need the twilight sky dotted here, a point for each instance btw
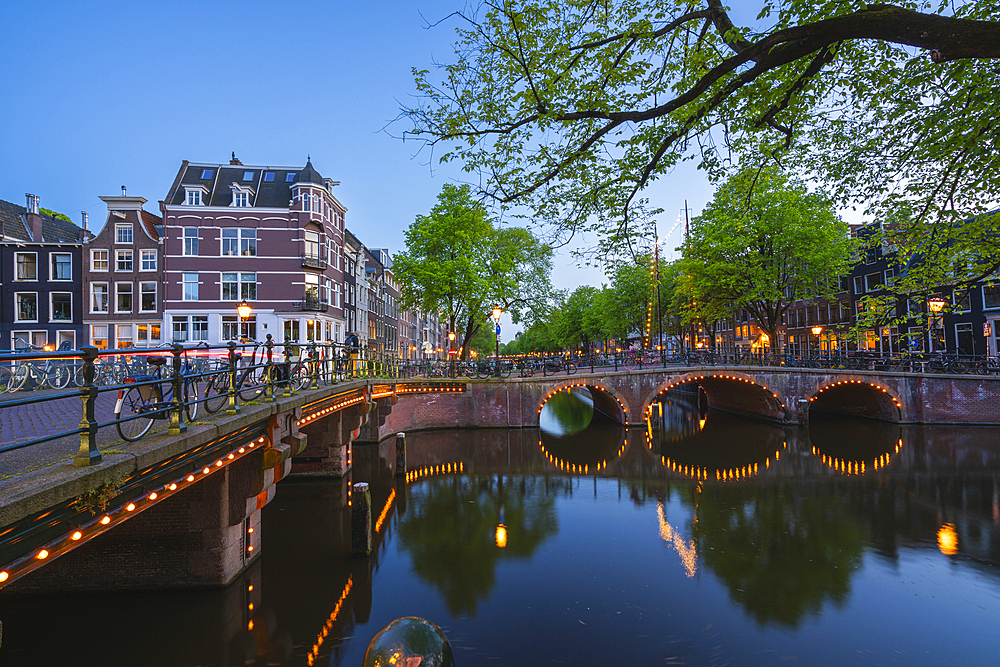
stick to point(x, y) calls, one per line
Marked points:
point(101, 94)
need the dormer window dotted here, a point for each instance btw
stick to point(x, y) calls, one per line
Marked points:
point(290, 177)
point(247, 176)
point(269, 177)
point(206, 174)
point(195, 195)
point(241, 195)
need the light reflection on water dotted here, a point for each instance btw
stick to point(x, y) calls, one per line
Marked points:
point(707, 539)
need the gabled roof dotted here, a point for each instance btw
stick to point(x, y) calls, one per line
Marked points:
point(13, 225)
point(152, 222)
point(272, 186)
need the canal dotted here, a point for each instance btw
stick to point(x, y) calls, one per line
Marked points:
point(703, 539)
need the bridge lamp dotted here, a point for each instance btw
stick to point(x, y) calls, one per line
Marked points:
point(244, 310)
point(496, 318)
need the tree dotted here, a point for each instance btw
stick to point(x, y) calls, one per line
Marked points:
point(571, 108)
point(574, 328)
point(761, 243)
point(54, 214)
point(458, 263)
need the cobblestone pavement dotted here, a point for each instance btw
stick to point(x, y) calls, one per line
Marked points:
point(35, 420)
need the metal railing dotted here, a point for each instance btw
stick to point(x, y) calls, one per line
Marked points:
point(122, 390)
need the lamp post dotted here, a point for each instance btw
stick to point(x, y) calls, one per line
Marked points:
point(244, 312)
point(497, 311)
point(935, 305)
point(451, 351)
point(816, 331)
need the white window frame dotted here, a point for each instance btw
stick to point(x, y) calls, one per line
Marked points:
point(131, 293)
point(242, 293)
point(201, 319)
point(174, 321)
point(18, 255)
point(142, 285)
point(52, 310)
point(241, 199)
point(147, 260)
point(17, 309)
point(123, 233)
point(185, 282)
point(52, 267)
point(94, 259)
point(94, 337)
point(119, 255)
point(193, 197)
point(983, 295)
point(194, 240)
point(107, 297)
point(859, 284)
point(129, 330)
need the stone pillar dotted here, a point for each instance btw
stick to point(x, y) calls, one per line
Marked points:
point(400, 454)
point(361, 520)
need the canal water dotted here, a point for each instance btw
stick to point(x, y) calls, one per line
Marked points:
point(703, 539)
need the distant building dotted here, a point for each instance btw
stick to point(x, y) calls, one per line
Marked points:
point(123, 278)
point(270, 236)
point(41, 278)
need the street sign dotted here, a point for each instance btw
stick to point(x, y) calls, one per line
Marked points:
point(498, 329)
point(987, 328)
point(498, 338)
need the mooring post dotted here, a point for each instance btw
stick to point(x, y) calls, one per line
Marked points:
point(400, 454)
point(361, 520)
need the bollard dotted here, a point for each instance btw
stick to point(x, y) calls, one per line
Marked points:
point(361, 520)
point(400, 454)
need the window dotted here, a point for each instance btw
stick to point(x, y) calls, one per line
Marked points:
point(859, 285)
point(239, 242)
point(123, 297)
point(26, 266)
point(199, 327)
point(312, 244)
point(312, 289)
point(268, 176)
point(123, 233)
point(148, 332)
point(62, 266)
point(991, 296)
point(290, 178)
point(306, 201)
point(123, 336)
point(123, 260)
point(291, 329)
point(61, 306)
point(98, 260)
point(147, 297)
point(963, 302)
point(193, 198)
point(240, 199)
point(190, 281)
point(206, 174)
point(26, 307)
point(234, 329)
point(99, 336)
point(180, 327)
point(190, 241)
point(873, 281)
point(890, 277)
point(239, 286)
point(148, 260)
point(963, 338)
point(99, 298)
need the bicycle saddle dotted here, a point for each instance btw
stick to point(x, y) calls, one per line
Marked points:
point(156, 361)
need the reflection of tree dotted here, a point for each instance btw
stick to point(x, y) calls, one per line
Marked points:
point(782, 555)
point(450, 528)
point(568, 411)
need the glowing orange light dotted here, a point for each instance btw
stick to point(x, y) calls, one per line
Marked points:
point(131, 506)
point(948, 539)
point(501, 536)
point(77, 535)
point(42, 555)
point(106, 520)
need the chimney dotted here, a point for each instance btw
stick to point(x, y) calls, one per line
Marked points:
point(33, 218)
point(85, 231)
point(123, 192)
point(235, 160)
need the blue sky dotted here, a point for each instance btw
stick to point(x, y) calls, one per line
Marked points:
point(103, 94)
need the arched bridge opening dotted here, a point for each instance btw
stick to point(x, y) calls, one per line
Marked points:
point(726, 392)
point(572, 408)
point(855, 398)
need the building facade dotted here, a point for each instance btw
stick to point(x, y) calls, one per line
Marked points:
point(41, 278)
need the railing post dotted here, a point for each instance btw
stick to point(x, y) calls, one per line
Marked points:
point(233, 408)
point(288, 372)
point(269, 369)
point(177, 425)
point(89, 454)
point(313, 366)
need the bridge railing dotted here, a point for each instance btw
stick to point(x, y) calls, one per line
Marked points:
point(124, 392)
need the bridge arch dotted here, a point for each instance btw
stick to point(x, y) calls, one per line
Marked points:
point(857, 398)
point(730, 391)
point(607, 401)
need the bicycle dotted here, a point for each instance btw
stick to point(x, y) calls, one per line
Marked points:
point(53, 373)
point(148, 401)
point(250, 381)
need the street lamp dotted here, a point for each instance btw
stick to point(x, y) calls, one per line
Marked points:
point(244, 312)
point(816, 331)
point(936, 306)
point(497, 311)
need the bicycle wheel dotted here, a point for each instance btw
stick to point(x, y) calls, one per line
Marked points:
point(191, 401)
point(20, 377)
point(629, 362)
point(216, 392)
point(58, 376)
point(132, 408)
point(570, 368)
point(5, 377)
point(251, 384)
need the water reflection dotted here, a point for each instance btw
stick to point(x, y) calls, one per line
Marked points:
point(566, 412)
point(853, 446)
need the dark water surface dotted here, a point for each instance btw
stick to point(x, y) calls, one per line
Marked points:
point(712, 540)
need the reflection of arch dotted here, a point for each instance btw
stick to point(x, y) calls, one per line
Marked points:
point(855, 467)
point(857, 398)
point(440, 469)
point(607, 401)
point(727, 391)
point(581, 468)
